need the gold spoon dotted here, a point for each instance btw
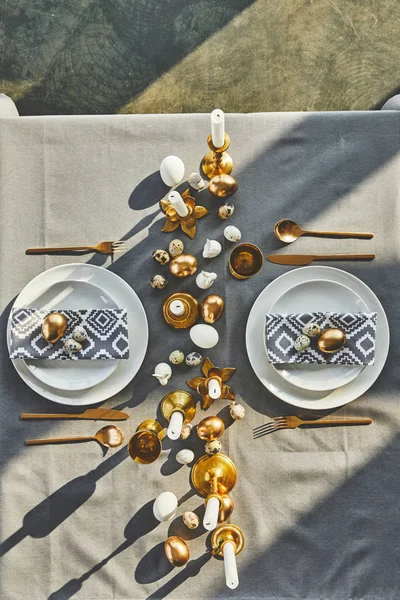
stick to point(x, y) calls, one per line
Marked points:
point(109, 436)
point(288, 231)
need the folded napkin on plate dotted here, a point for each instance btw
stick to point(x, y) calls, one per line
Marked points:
point(281, 332)
point(106, 328)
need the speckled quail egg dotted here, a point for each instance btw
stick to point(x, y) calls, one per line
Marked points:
point(226, 210)
point(176, 247)
point(185, 456)
point(312, 329)
point(158, 282)
point(72, 346)
point(186, 431)
point(161, 256)
point(176, 357)
point(237, 411)
point(213, 447)
point(302, 343)
point(193, 359)
point(190, 519)
point(232, 233)
point(196, 181)
point(79, 333)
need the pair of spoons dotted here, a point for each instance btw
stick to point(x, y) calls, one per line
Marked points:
point(289, 231)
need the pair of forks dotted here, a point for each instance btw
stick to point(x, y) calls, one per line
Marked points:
point(102, 248)
point(291, 422)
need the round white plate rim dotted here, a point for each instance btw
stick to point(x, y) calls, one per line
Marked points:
point(41, 374)
point(350, 374)
point(125, 371)
point(335, 398)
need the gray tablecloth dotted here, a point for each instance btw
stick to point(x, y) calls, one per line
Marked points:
point(319, 508)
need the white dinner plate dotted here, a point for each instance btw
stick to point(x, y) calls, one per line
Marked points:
point(72, 374)
point(318, 296)
point(267, 374)
point(125, 297)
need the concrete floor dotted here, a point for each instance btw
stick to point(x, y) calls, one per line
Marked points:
point(143, 56)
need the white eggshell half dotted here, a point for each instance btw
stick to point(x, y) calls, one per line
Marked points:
point(165, 506)
point(204, 336)
point(172, 170)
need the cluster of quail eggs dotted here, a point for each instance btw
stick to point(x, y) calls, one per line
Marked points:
point(302, 342)
point(163, 257)
point(192, 360)
point(74, 343)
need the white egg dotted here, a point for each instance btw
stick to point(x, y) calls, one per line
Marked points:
point(172, 170)
point(165, 506)
point(204, 336)
point(185, 456)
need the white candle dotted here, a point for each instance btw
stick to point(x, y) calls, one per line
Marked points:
point(231, 574)
point(214, 389)
point(210, 520)
point(175, 425)
point(218, 128)
point(177, 202)
point(177, 308)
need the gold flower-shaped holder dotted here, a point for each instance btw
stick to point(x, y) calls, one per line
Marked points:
point(189, 223)
point(200, 384)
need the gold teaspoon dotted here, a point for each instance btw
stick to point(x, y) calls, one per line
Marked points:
point(288, 231)
point(109, 437)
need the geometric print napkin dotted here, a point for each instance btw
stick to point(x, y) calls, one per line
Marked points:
point(281, 332)
point(106, 329)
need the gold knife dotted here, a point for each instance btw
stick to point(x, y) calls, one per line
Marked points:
point(307, 259)
point(101, 414)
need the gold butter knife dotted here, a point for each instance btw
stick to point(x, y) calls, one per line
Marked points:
point(307, 259)
point(101, 414)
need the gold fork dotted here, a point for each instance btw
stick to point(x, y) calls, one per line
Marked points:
point(293, 422)
point(103, 248)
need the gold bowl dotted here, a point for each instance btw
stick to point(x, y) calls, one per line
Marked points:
point(245, 261)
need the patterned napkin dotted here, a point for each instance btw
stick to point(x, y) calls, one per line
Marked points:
point(281, 332)
point(106, 328)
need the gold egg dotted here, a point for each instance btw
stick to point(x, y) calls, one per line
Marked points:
point(331, 340)
point(183, 265)
point(212, 308)
point(176, 551)
point(225, 508)
point(53, 327)
point(210, 428)
point(222, 186)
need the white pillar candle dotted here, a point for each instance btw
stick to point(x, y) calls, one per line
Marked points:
point(210, 520)
point(218, 127)
point(214, 389)
point(231, 574)
point(175, 425)
point(177, 308)
point(177, 202)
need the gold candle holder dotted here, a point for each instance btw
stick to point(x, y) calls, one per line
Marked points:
point(200, 384)
point(145, 447)
point(188, 224)
point(217, 161)
point(190, 314)
point(227, 533)
point(178, 401)
point(213, 474)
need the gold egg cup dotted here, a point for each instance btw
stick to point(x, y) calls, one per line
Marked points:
point(145, 446)
point(245, 260)
point(217, 161)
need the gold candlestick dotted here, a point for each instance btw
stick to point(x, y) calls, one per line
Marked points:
point(213, 476)
point(217, 161)
point(227, 533)
point(179, 401)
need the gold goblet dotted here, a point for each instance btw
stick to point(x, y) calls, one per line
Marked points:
point(145, 445)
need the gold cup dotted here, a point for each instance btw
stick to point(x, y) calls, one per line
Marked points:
point(245, 261)
point(145, 447)
point(217, 161)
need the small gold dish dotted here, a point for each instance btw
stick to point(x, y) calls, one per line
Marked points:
point(145, 447)
point(222, 186)
point(190, 315)
point(245, 261)
point(331, 340)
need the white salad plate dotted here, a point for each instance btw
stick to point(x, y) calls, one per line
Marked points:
point(269, 377)
point(72, 374)
point(124, 297)
point(318, 296)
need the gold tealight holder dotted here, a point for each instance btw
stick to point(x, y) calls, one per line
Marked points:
point(227, 533)
point(245, 261)
point(217, 161)
point(145, 447)
point(178, 401)
point(189, 315)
